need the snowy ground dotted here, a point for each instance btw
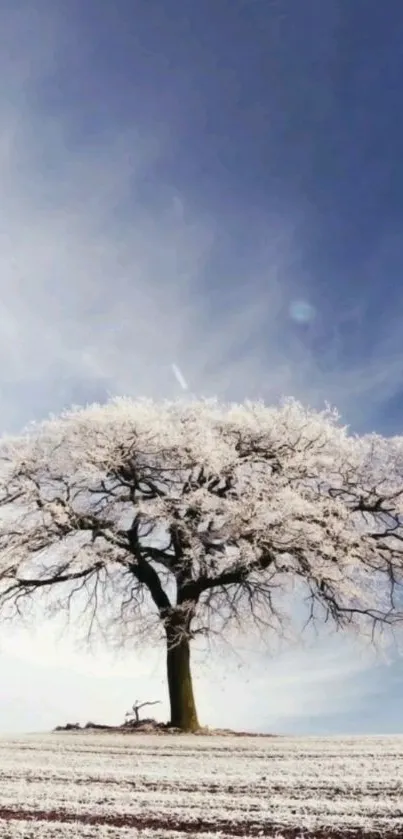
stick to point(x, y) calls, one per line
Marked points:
point(121, 786)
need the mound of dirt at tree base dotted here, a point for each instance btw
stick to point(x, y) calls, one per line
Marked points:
point(154, 727)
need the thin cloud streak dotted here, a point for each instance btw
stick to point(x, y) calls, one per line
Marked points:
point(179, 376)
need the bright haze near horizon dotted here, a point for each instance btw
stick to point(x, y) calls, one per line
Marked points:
point(215, 185)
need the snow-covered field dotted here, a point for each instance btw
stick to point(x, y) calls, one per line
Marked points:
point(114, 786)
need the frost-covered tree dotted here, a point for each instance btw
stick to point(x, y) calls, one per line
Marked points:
point(177, 519)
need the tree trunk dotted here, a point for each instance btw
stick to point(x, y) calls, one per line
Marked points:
point(183, 707)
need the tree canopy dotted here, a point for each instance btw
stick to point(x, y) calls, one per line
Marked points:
point(179, 518)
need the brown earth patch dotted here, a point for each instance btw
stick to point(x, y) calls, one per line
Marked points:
point(250, 828)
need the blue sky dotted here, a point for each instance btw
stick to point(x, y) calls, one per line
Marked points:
point(177, 179)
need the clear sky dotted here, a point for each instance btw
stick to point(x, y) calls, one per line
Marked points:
point(218, 185)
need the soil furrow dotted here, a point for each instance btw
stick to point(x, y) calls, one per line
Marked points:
point(250, 828)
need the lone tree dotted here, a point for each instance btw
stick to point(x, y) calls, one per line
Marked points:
point(177, 519)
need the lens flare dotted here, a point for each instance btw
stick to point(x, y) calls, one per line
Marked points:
point(301, 311)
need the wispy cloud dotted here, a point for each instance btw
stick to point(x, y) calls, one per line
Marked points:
point(284, 692)
point(102, 287)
